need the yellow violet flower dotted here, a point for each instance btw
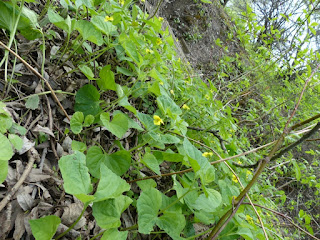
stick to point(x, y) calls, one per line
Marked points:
point(172, 92)
point(249, 172)
point(249, 219)
point(149, 51)
point(121, 2)
point(179, 59)
point(160, 19)
point(108, 19)
point(239, 162)
point(143, 0)
point(185, 106)
point(161, 83)
point(159, 41)
point(207, 154)
point(207, 97)
point(234, 179)
point(157, 120)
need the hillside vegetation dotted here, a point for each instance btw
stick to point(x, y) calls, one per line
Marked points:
point(145, 119)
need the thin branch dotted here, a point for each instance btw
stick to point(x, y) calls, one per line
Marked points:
point(32, 156)
point(215, 133)
point(39, 76)
point(286, 217)
point(287, 149)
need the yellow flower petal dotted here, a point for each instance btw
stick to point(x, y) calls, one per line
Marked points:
point(207, 154)
point(185, 106)
point(158, 42)
point(234, 179)
point(108, 19)
point(157, 120)
point(172, 92)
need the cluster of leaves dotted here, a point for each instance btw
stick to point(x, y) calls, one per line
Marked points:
point(148, 71)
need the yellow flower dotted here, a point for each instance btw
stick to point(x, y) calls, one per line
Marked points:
point(239, 162)
point(121, 2)
point(207, 96)
point(249, 219)
point(234, 179)
point(161, 83)
point(179, 60)
point(108, 19)
point(172, 92)
point(160, 19)
point(207, 154)
point(249, 172)
point(157, 120)
point(143, 0)
point(158, 41)
point(185, 106)
point(149, 51)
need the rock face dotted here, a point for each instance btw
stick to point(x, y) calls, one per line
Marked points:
point(205, 31)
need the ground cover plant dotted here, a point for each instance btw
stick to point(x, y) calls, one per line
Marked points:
point(106, 132)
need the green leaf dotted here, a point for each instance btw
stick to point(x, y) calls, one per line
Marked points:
point(151, 162)
point(106, 80)
point(245, 233)
point(87, 100)
point(147, 184)
point(169, 139)
point(59, 21)
point(119, 124)
point(6, 150)
point(199, 163)
point(168, 156)
point(78, 146)
point(112, 234)
point(16, 141)
point(89, 32)
point(147, 121)
point(124, 71)
point(87, 71)
point(88, 120)
point(168, 106)
point(75, 174)
point(76, 122)
point(118, 162)
point(32, 102)
point(210, 202)
point(107, 213)
point(296, 170)
point(124, 100)
point(44, 228)
point(130, 48)
point(206, 1)
point(27, 23)
point(110, 185)
point(5, 119)
point(3, 170)
point(106, 28)
point(95, 157)
point(172, 223)
point(148, 206)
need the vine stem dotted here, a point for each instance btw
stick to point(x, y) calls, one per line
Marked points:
point(73, 224)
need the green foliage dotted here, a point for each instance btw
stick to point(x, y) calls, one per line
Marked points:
point(44, 228)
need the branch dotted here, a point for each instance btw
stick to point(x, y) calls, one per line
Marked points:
point(287, 149)
point(35, 72)
point(286, 217)
point(32, 155)
point(215, 133)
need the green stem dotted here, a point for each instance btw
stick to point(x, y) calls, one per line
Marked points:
point(72, 226)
